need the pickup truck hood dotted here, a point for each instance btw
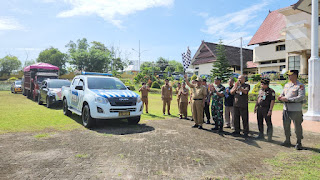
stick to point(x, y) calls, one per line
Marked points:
point(114, 93)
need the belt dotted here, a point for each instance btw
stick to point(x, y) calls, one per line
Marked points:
point(144, 96)
point(197, 99)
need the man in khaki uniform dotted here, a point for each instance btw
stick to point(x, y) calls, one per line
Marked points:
point(198, 101)
point(177, 93)
point(293, 97)
point(191, 94)
point(144, 95)
point(166, 96)
point(183, 104)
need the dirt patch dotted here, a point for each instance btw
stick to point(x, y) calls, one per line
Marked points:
point(164, 149)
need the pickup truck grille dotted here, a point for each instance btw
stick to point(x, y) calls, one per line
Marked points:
point(118, 110)
point(123, 101)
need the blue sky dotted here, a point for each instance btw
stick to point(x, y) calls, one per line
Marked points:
point(164, 27)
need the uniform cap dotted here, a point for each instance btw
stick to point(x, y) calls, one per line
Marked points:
point(291, 72)
point(265, 81)
point(198, 79)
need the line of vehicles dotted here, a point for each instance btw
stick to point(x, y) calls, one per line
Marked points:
point(90, 95)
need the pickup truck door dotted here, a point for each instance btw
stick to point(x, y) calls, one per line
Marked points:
point(74, 94)
point(80, 95)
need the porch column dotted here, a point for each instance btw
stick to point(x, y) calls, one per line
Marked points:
point(314, 66)
point(304, 63)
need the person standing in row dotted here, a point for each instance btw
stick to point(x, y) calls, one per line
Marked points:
point(177, 94)
point(217, 94)
point(263, 108)
point(191, 94)
point(144, 95)
point(228, 103)
point(183, 104)
point(198, 99)
point(293, 96)
point(240, 105)
point(207, 102)
point(166, 96)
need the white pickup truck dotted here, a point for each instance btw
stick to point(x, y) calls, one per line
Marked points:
point(97, 96)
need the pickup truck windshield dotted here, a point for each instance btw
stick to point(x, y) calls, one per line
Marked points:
point(105, 83)
point(18, 82)
point(58, 84)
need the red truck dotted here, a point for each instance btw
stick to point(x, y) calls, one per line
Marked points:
point(34, 75)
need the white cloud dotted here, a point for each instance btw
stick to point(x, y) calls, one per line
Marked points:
point(9, 23)
point(111, 10)
point(235, 25)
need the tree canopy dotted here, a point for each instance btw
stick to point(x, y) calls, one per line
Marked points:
point(221, 67)
point(8, 64)
point(55, 57)
point(84, 57)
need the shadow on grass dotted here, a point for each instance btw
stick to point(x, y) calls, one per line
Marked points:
point(153, 116)
point(115, 127)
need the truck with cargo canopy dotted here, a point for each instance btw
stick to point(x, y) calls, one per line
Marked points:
point(34, 75)
point(99, 96)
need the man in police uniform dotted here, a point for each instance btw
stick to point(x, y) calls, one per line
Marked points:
point(144, 95)
point(166, 96)
point(217, 104)
point(263, 108)
point(183, 104)
point(293, 96)
point(198, 100)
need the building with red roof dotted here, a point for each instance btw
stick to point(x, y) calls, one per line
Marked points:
point(283, 41)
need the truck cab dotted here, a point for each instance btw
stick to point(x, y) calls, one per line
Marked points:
point(98, 96)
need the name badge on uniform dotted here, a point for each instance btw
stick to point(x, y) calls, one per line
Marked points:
point(169, 89)
point(240, 93)
point(264, 96)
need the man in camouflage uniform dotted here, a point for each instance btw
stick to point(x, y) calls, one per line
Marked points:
point(263, 108)
point(217, 94)
point(293, 96)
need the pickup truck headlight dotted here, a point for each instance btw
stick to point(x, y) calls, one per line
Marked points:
point(101, 100)
point(139, 100)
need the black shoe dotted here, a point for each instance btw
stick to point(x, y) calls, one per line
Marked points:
point(220, 130)
point(147, 112)
point(208, 122)
point(286, 144)
point(214, 129)
point(200, 127)
point(236, 134)
point(186, 118)
point(169, 114)
point(180, 117)
point(245, 135)
point(269, 138)
point(195, 126)
point(298, 146)
point(192, 120)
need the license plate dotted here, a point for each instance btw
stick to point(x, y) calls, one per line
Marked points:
point(124, 113)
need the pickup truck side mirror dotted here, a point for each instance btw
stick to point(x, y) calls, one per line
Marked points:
point(128, 87)
point(79, 87)
point(43, 86)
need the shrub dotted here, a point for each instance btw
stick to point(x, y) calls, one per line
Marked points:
point(132, 88)
point(155, 91)
point(254, 77)
point(194, 77)
point(256, 88)
point(156, 85)
point(253, 97)
point(274, 77)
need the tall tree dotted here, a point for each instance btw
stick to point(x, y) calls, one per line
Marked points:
point(55, 57)
point(8, 64)
point(85, 58)
point(162, 63)
point(221, 67)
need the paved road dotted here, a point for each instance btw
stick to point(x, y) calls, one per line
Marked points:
point(162, 149)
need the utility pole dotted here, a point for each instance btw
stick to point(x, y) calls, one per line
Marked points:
point(139, 55)
point(241, 57)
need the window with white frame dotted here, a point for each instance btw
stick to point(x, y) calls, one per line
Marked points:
point(294, 62)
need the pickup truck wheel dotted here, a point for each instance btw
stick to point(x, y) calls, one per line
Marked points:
point(134, 120)
point(48, 102)
point(66, 111)
point(39, 100)
point(87, 120)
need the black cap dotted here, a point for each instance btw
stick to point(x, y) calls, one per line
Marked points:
point(291, 72)
point(265, 81)
point(217, 78)
point(167, 80)
point(204, 80)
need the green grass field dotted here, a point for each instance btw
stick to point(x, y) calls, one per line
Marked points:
point(19, 114)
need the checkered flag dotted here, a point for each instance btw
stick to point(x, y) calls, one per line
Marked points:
point(186, 59)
